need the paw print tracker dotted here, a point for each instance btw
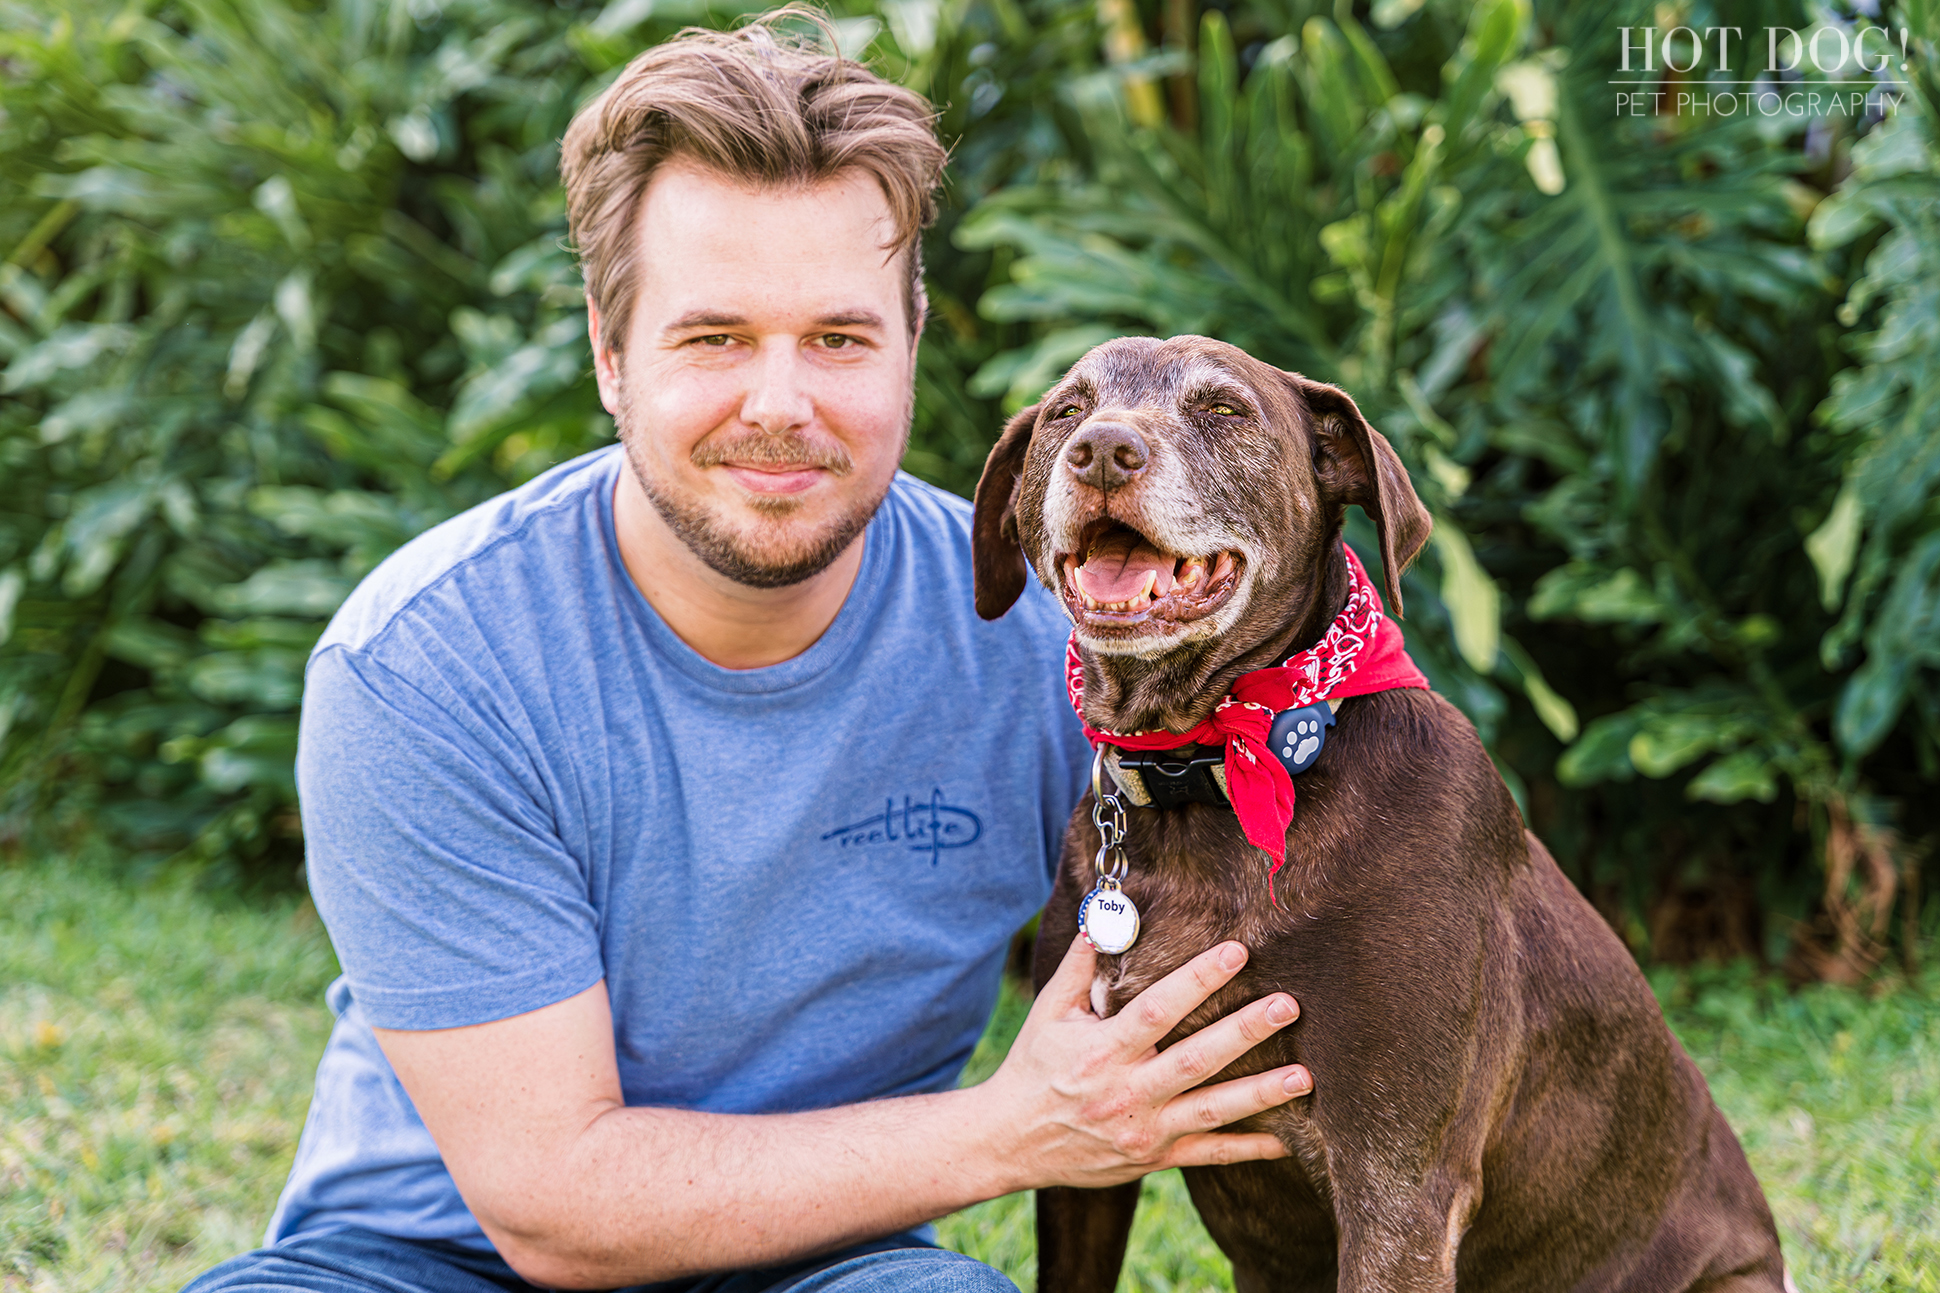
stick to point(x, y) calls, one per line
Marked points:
point(1299, 734)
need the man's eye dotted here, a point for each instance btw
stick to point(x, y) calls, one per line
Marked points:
point(716, 339)
point(837, 341)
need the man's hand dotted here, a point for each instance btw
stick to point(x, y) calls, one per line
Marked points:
point(1094, 1102)
point(577, 1190)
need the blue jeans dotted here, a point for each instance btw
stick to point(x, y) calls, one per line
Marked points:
point(358, 1261)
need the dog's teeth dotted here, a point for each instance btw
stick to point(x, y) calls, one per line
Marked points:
point(1151, 585)
point(1191, 573)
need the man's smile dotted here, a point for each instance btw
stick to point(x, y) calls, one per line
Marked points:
point(765, 479)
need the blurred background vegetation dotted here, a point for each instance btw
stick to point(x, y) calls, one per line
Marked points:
point(284, 284)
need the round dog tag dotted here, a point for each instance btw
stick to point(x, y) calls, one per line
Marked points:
point(1109, 919)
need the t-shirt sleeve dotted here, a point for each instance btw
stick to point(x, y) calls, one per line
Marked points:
point(1071, 774)
point(1068, 753)
point(432, 854)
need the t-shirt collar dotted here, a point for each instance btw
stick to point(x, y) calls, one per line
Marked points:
point(827, 651)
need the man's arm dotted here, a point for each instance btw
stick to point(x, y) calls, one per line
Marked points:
point(577, 1191)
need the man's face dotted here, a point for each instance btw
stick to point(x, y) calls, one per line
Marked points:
point(764, 389)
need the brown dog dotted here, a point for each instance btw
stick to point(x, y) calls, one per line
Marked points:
point(1498, 1102)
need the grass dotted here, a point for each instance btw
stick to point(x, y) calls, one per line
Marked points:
point(156, 1053)
point(157, 1045)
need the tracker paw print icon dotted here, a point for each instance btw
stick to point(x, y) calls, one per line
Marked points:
point(1307, 732)
point(1298, 735)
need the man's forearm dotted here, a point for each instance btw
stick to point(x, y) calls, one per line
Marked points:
point(577, 1190)
point(654, 1194)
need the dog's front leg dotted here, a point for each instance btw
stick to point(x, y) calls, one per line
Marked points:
point(1407, 1085)
point(1081, 1237)
point(1400, 1240)
point(1081, 1234)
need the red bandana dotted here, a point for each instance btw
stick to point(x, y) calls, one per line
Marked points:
point(1361, 653)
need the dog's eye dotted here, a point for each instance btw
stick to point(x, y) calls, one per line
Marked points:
point(1068, 411)
point(1224, 410)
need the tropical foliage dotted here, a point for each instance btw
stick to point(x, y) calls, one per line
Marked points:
point(1629, 361)
point(284, 284)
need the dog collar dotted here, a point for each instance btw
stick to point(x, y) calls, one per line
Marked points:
point(1196, 774)
point(1259, 733)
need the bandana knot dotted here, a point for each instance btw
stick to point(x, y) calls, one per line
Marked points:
point(1361, 652)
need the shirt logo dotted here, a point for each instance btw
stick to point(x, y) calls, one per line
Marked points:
point(922, 826)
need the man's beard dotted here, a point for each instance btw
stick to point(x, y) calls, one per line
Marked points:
point(757, 560)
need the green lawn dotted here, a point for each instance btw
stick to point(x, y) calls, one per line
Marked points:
point(156, 1049)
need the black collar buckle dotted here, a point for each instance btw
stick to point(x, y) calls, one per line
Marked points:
point(1174, 778)
point(1196, 774)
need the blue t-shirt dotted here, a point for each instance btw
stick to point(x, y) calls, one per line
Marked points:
point(799, 882)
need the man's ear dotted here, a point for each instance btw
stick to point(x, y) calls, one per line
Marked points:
point(606, 368)
point(1355, 464)
point(996, 555)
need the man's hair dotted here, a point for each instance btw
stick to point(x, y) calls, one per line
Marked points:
point(758, 105)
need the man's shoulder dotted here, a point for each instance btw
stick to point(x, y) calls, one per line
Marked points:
point(934, 528)
point(927, 506)
point(478, 546)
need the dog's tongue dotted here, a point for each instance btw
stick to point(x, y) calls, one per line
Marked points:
point(1117, 567)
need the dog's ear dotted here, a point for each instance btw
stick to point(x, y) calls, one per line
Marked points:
point(1355, 464)
point(996, 554)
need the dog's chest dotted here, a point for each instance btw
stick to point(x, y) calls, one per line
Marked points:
point(1120, 979)
point(1169, 937)
point(1171, 933)
point(1196, 883)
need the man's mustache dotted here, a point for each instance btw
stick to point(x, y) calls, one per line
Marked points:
point(761, 449)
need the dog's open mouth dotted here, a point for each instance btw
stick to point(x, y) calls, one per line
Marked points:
point(1121, 578)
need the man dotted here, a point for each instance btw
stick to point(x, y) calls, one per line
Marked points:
point(671, 814)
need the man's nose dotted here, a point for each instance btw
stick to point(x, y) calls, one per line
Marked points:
point(778, 397)
point(1106, 455)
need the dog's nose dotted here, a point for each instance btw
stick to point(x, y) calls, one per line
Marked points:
point(1107, 455)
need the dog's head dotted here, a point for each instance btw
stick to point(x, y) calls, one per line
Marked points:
point(1184, 500)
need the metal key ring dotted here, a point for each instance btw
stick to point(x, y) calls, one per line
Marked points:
point(1108, 818)
point(1105, 802)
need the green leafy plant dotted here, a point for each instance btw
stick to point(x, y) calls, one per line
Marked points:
point(1617, 367)
point(284, 288)
point(285, 284)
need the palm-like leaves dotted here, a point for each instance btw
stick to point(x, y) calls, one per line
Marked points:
point(283, 287)
point(1598, 345)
